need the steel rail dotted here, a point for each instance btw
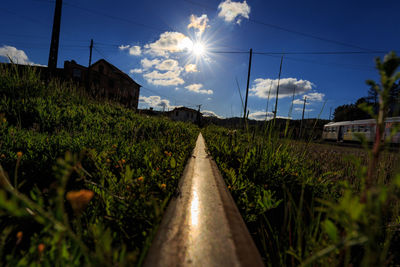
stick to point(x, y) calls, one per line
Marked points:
point(202, 225)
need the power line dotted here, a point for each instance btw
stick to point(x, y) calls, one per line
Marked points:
point(112, 17)
point(270, 25)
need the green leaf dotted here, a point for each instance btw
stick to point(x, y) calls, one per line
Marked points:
point(173, 163)
point(330, 228)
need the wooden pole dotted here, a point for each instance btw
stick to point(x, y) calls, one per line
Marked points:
point(277, 89)
point(55, 38)
point(302, 116)
point(90, 55)
point(247, 87)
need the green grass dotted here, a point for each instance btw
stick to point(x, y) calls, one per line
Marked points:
point(70, 142)
point(304, 203)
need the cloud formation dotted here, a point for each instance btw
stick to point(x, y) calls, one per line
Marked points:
point(168, 64)
point(191, 68)
point(233, 11)
point(305, 110)
point(15, 55)
point(198, 23)
point(136, 71)
point(169, 42)
point(155, 101)
point(147, 64)
point(260, 116)
point(135, 50)
point(164, 78)
point(209, 113)
point(196, 87)
point(261, 87)
point(311, 98)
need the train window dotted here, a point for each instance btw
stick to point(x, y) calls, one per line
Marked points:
point(334, 129)
point(361, 128)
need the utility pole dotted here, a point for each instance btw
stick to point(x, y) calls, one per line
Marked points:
point(55, 38)
point(247, 87)
point(198, 115)
point(277, 89)
point(90, 55)
point(302, 116)
point(330, 112)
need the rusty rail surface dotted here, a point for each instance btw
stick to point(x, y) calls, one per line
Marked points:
point(202, 225)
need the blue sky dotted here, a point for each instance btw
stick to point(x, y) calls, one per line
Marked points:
point(178, 49)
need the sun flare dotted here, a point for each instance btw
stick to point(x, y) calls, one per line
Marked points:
point(198, 49)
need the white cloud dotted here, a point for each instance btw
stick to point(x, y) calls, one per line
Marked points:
point(261, 87)
point(17, 56)
point(164, 79)
point(168, 64)
point(155, 101)
point(147, 64)
point(135, 50)
point(154, 74)
point(136, 71)
point(233, 11)
point(191, 68)
point(209, 113)
point(198, 23)
point(196, 87)
point(169, 42)
point(305, 110)
point(311, 97)
point(260, 116)
point(123, 47)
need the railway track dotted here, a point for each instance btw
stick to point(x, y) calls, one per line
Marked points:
point(202, 225)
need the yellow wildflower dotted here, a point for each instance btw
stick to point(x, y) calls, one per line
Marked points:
point(140, 179)
point(163, 186)
point(123, 161)
point(3, 156)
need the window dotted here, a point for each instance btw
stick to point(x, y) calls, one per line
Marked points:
point(76, 73)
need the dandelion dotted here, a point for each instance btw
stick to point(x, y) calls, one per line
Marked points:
point(40, 248)
point(163, 186)
point(19, 237)
point(108, 160)
point(140, 179)
point(123, 161)
point(19, 154)
point(79, 199)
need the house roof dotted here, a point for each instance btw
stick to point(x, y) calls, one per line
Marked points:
point(116, 70)
point(183, 109)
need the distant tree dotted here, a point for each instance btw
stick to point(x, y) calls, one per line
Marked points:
point(351, 112)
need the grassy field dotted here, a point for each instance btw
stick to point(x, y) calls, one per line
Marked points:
point(306, 204)
point(83, 182)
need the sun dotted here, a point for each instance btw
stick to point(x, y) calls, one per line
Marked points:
point(198, 49)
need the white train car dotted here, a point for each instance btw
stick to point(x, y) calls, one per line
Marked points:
point(361, 129)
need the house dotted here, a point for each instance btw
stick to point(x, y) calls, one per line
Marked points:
point(184, 114)
point(104, 80)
